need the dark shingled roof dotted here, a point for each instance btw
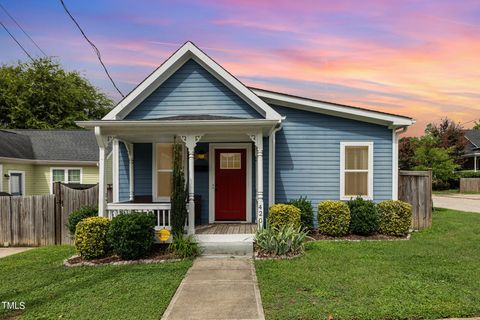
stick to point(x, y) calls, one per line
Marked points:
point(473, 136)
point(69, 145)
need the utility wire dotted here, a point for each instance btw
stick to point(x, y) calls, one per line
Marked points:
point(12, 36)
point(36, 45)
point(97, 52)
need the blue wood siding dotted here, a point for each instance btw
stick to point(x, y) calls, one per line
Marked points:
point(192, 90)
point(308, 155)
point(142, 168)
point(123, 174)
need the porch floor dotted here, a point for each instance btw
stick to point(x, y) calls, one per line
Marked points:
point(226, 228)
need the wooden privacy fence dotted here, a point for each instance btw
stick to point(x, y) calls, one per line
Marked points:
point(41, 220)
point(415, 187)
point(469, 185)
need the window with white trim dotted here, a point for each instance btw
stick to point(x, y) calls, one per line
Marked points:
point(163, 171)
point(66, 175)
point(356, 170)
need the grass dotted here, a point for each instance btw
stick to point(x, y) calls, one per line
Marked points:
point(433, 275)
point(52, 291)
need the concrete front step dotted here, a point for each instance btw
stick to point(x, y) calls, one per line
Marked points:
point(226, 244)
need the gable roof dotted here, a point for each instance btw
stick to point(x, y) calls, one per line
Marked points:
point(49, 145)
point(330, 108)
point(473, 136)
point(174, 62)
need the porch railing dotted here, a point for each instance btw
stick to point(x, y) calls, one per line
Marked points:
point(160, 210)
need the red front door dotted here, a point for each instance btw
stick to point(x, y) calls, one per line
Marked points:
point(230, 185)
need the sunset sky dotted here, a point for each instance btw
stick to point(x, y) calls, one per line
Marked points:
point(416, 58)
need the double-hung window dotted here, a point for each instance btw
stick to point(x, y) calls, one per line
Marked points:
point(163, 171)
point(356, 170)
point(66, 175)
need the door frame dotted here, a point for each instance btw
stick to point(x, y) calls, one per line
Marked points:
point(211, 179)
point(22, 181)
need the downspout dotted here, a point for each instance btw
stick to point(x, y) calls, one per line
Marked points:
point(271, 158)
point(395, 169)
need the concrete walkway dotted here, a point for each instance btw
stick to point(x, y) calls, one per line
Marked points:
point(462, 202)
point(8, 251)
point(217, 288)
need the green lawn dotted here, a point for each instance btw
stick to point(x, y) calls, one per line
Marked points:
point(52, 291)
point(436, 274)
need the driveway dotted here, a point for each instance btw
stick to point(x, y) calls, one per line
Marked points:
point(8, 251)
point(462, 202)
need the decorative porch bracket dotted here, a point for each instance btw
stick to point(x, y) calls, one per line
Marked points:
point(190, 142)
point(257, 138)
point(102, 142)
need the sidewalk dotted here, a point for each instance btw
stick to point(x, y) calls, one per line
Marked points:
point(8, 251)
point(217, 288)
point(462, 202)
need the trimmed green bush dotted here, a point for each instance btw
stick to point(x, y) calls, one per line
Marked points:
point(395, 217)
point(363, 216)
point(78, 215)
point(282, 215)
point(333, 218)
point(91, 237)
point(306, 211)
point(284, 240)
point(184, 246)
point(132, 234)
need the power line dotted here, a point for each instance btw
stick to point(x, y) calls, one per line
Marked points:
point(36, 45)
point(93, 46)
point(11, 35)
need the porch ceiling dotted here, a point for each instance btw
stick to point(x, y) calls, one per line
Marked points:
point(148, 130)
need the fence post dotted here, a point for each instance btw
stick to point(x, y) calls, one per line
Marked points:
point(57, 191)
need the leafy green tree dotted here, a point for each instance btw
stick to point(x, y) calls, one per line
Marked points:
point(179, 193)
point(406, 151)
point(40, 94)
point(450, 135)
point(429, 157)
point(477, 125)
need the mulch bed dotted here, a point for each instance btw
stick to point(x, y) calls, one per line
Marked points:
point(315, 236)
point(159, 254)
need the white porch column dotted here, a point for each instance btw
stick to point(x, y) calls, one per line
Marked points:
point(129, 147)
point(190, 142)
point(102, 187)
point(258, 140)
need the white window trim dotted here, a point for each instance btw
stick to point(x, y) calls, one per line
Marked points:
point(23, 181)
point(65, 170)
point(154, 171)
point(368, 144)
point(211, 178)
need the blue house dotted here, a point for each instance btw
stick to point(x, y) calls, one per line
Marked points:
point(245, 148)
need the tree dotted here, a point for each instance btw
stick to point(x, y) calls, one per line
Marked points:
point(40, 94)
point(406, 151)
point(477, 125)
point(179, 193)
point(450, 135)
point(429, 157)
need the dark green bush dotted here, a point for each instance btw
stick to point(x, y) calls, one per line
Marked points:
point(184, 246)
point(395, 217)
point(283, 214)
point(363, 216)
point(333, 218)
point(78, 215)
point(306, 211)
point(91, 237)
point(132, 234)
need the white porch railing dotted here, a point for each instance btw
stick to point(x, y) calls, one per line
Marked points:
point(160, 210)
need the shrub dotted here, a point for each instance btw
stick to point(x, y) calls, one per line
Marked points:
point(283, 214)
point(179, 194)
point(91, 237)
point(395, 217)
point(306, 211)
point(78, 215)
point(132, 234)
point(284, 240)
point(333, 218)
point(184, 246)
point(363, 216)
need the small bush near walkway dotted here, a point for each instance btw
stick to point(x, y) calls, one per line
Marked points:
point(91, 237)
point(363, 216)
point(306, 211)
point(333, 218)
point(78, 215)
point(395, 217)
point(283, 215)
point(285, 240)
point(132, 235)
point(184, 246)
